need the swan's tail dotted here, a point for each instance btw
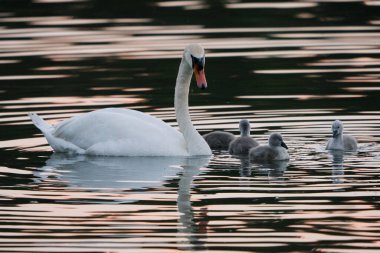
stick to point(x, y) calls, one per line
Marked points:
point(40, 123)
point(59, 145)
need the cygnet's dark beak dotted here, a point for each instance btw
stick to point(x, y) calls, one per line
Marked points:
point(335, 133)
point(284, 145)
point(199, 72)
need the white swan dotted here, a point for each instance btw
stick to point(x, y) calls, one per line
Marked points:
point(275, 151)
point(242, 144)
point(123, 132)
point(341, 141)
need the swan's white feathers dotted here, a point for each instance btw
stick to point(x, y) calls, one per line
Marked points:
point(195, 50)
point(119, 132)
point(40, 123)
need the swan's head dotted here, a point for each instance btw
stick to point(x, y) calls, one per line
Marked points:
point(337, 128)
point(244, 127)
point(275, 140)
point(194, 55)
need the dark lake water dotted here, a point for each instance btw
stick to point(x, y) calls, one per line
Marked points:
point(291, 67)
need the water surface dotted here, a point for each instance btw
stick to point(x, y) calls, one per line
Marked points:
point(291, 67)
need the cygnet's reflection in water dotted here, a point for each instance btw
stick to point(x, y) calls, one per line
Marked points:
point(133, 173)
point(274, 169)
point(337, 171)
point(245, 166)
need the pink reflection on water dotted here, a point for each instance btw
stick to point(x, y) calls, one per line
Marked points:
point(275, 5)
point(49, 102)
point(56, 68)
point(302, 71)
point(68, 44)
point(358, 62)
point(14, 171)
point(368, 78)
point(187, 5)
point(335, 1)
point(371, 2)
point(292, 53)
point(9, 61)
point(355, 89)
point(326, 35)
point(301, 97)
point(32, 19)
point(30, 77)
point(26, 143)
point(67, 21)
point(156, 214)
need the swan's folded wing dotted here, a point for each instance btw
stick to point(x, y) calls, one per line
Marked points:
point(113, 128)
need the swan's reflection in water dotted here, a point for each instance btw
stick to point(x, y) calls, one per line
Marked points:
point(187, 219)
point(125, 174)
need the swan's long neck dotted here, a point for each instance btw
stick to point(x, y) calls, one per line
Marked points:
point(338, 140)
point(196, 145)
point(245, 131)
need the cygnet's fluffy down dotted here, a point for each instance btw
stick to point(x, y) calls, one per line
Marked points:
point(341, 141)
point(276, 150)
point(242, 144)
point(219, 139)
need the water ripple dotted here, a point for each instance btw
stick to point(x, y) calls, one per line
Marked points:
point(291, 67)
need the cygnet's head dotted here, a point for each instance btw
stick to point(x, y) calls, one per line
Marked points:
point(337, 128)
point(245, 127)
point(194, 55)
point(275, 140)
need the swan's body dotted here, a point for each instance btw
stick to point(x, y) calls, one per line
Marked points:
point(123, 132)
point(274, 151)
point(103, 132)
point(340, 141)
point(219, 139)
point(242, 144)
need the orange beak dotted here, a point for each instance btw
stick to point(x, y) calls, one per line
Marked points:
point(200, 77)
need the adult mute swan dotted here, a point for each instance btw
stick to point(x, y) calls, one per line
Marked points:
point(124, 132)
point(242, 144)
point(341, 141)
point(275, 151)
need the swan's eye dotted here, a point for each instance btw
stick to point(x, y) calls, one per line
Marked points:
point(200, 62)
